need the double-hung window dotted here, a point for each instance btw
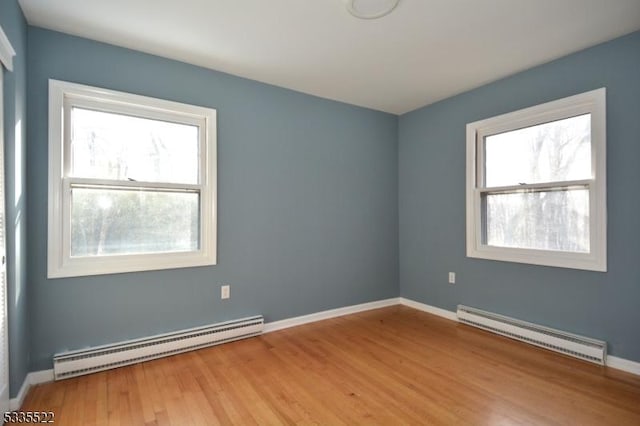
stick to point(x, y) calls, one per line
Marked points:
point(132, 182)
point(536, 184)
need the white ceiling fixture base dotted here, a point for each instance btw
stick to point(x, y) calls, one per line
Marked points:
point(371, 9)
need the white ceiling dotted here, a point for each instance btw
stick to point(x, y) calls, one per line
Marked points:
point(426, 50)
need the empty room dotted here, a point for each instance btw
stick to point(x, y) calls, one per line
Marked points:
point(328, 212)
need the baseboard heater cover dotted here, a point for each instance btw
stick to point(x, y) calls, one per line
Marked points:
point(91, 360)
point(559, 341)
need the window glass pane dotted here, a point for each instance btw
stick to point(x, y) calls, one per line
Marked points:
point(116, 146)
point(549, 152)
point(112, 221)
point(545, 220)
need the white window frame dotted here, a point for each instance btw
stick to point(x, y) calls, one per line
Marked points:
point(62, 97)
point(594, 103)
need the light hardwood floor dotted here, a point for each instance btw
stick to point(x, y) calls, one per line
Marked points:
point(389, 366)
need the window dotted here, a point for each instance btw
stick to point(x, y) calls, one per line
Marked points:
point(536, 185)
point(132, 182)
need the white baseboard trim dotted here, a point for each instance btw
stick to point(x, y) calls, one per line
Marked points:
point(44, 376)
point(429, 309)
point(32, 379)
point(16, 403)
point(626, 365)
point(331, 313)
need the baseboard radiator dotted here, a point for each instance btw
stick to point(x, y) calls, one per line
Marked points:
point(569, 344)
point(91, 360)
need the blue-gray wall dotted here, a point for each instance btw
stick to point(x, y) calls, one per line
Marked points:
point(307, 192)
point(15, 109)
point(432, 204)
point(309, 217)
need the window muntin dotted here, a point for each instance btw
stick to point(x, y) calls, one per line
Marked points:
point(132, 183)
point(536, 184)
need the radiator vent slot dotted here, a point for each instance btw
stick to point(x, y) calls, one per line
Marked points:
point(91, 360)
point(559, 341)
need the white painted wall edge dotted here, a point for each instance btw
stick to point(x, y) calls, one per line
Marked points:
point(6, 51)
point(32, 379)
point(44, 376)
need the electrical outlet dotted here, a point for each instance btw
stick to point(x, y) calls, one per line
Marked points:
point(452, 277)
point(225, 293)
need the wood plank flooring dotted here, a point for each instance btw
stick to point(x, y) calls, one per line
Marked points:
point(389, 366)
